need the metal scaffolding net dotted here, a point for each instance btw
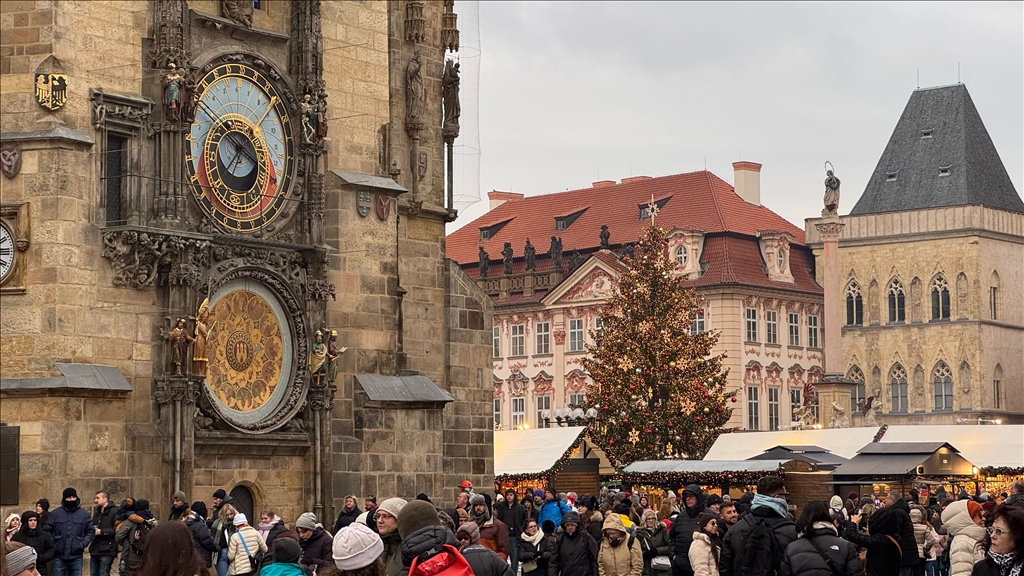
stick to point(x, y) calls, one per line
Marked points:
point(467, 146)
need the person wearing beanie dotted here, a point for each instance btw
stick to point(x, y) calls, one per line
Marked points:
point(461, 517)
point(531, 510)
point(131, 537)
point(425, 541)
point(538, 498)
point(705, 550)
point(494, 534)
point(619, 554)
point(513, 515)
point(103, 548)
point(283, 559)
point(72, 531)
point(18, 559)
point(654, 542)
point(574, 552)
point(714, 501)
point(694, 503)
point(43, 509)
point(202, 538)
point(199, 507)
point(965, 526)
point(386, 518)
point(245, 547)
point(315, 542)
point(908, 543)
point(31, 534)
point(220, 498)
point(590, 519)
point(348, 514)
point(179, 504)
point(553, 509)
point(742, 547)
point(468, 534)
point(357, 550)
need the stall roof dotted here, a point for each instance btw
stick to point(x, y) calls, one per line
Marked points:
point(533, 451)
point(815, 455)
point(685, 466)
point(982, 445)
point(890, 458)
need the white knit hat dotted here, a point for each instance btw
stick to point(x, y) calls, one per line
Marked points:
point(356, 546)
point(393, 506)
point(239, 519)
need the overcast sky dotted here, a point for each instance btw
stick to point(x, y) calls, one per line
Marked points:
point(575, 92)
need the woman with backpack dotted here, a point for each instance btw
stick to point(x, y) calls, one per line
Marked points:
point(819, 548)
point(170, 552)
point(133, 535)
point(245, 548)
point(882, 542)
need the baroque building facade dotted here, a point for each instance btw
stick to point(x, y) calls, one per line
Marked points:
point(932, 264)
point(750, 266)
point(229, 272)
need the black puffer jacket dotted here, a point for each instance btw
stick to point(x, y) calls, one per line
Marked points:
point(40, 541)
point(422, 541)
point(883, 555)
point(574, 555)
point(906, 531)
point(103, 543)
point(654, 543)
point(317, 550)
point(734, 548)
point(803, 559)
point(683, 527)
point(272, 535)
point(345, 518)
point(485, 562)
point(71, 529)
point(201, 537)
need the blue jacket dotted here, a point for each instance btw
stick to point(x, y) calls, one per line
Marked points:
point(553, 511)
point(282, 569)
point(72, 531)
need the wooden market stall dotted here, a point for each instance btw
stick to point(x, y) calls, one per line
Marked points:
point(561, 457)
point(733, 477)
point(881, 466)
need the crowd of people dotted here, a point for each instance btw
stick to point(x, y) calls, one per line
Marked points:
point(542, 533)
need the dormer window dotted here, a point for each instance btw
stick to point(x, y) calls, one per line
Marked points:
point(780, 259)
point(563, 222)
point(926, 133)
point(891, 176)
point(944, 170)
point(681, 255)
point(488, 232)
point(645, 209)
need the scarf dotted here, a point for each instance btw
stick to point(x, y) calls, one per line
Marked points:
point(265, 528)
point(825, 525)
point(535, 539)
point(778, 505)
point(1005, 563)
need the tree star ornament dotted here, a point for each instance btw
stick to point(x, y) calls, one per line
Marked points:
point(634, 436)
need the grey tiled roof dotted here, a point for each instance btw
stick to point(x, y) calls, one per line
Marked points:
point(940, 129)
point(73, 377)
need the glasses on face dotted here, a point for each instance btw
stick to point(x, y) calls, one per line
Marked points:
point(998, 531)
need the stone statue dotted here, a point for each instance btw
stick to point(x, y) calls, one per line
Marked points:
point(806, 416)
point(506, 257)
point(450, 98)
point(531, 255)
point(839, 417)
point(484, 263)
point(415, 93)
point(318, 355)
point(309, 120)
point(575, 261)
point(605, 235)
point(555, 252)
point(321, 114)
point(172, 83)
point(238, 11)
point(179, 339)
point(831, 193)
point(868, 407)
point(189, 97)
point(199, 359)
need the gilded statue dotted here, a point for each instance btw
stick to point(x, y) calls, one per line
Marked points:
point(318, 355)
point(333, 352)
point(172, 83)
point(199, 360)
point(179, 339)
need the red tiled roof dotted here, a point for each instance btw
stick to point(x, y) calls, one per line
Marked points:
point(735, 260)
point(699, 200)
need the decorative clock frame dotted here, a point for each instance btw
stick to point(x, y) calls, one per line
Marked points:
point(15, 216)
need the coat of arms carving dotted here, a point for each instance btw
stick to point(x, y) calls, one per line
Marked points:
point(10, 161)
point(364, 201)
point(384, 204)
point(51, 90)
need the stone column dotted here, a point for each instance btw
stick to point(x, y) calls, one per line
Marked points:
point(833, 386)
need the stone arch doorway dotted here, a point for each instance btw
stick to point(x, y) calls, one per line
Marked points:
point(243, 502)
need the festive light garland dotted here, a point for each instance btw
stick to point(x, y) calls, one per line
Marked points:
point(881, 432)
point(701, 478)
point(545, 474)
point(1002, 471)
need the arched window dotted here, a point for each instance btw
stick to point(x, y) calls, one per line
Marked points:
point(997, 384)
point(898, 384)
point(993, 296)
point(854, 305)
point(940, 298)
point(942, 377)
point(859, 393)
point(897, 301)
point(681, 255)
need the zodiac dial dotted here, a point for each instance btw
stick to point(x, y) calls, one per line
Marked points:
point(240, 155)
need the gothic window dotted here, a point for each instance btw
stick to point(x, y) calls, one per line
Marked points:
point(114, 171)
point(859, 393)
point(940, 298)
point(771, 322)
point(812, 331)
point(543, 338)
point(854, 305)
point(942, 378)
point(897, 301)
point(753, 422)
point(681, 255)
point(898, 384)
point(997, 377)
point(993, 296)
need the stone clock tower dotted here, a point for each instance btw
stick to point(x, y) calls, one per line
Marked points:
point(227, 255)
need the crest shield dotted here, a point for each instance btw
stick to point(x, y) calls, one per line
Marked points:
point(364, 201)
point(384, 206)
point(51, 90)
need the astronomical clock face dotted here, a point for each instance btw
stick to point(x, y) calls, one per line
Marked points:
point(240, 148)
point(6, 253)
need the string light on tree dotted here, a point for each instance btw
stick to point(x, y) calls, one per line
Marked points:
point(651, 371)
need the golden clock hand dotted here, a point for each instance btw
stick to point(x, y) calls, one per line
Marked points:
point(273, 100)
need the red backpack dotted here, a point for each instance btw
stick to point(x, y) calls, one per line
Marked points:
point(447, 562)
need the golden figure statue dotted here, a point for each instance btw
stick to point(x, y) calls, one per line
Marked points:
point(318, 355)
point(199, 359)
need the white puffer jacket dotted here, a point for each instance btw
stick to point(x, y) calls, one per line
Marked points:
point(964, 551)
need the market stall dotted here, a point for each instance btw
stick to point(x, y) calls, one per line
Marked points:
point(560, 457)
point(733, 477)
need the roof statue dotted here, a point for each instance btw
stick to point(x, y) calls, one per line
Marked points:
point(839, 417)
point(506, 257)
point(831, 192)
point(485, 262)
point(868, 407)
point(605, 236)
point(555, 252)
point(530, 252)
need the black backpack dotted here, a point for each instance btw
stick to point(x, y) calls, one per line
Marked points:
point(760, 555)
point(137, 541)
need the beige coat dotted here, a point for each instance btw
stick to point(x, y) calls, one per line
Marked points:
point(621, 560)
point(964, 551)
point(702, 555)
point(238, 560)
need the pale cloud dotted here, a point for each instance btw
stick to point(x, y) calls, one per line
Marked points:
point(574, 92)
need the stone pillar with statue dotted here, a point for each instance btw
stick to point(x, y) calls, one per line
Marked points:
point(833, 389)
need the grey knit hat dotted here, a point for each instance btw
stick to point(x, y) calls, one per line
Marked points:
point(306, 521)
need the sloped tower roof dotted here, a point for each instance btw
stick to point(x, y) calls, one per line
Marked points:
point(940, 154)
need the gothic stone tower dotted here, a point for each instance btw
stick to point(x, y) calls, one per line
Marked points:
point(229, 268)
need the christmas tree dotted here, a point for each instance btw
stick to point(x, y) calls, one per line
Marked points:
point(657, 390)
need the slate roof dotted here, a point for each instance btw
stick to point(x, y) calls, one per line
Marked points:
point(402, 388)
point(697, 200)
point(939, 128)
point(73, 377)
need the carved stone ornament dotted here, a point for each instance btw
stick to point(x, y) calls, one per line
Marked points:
point(238, 11)
point(415, 24)
point(449, 27)
point(51, 90)
point(115, 110)
point(10, 160)
point(136, 255)
point(364, 202)
point(169, 42)
point(830, 230)
point(421, 166)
